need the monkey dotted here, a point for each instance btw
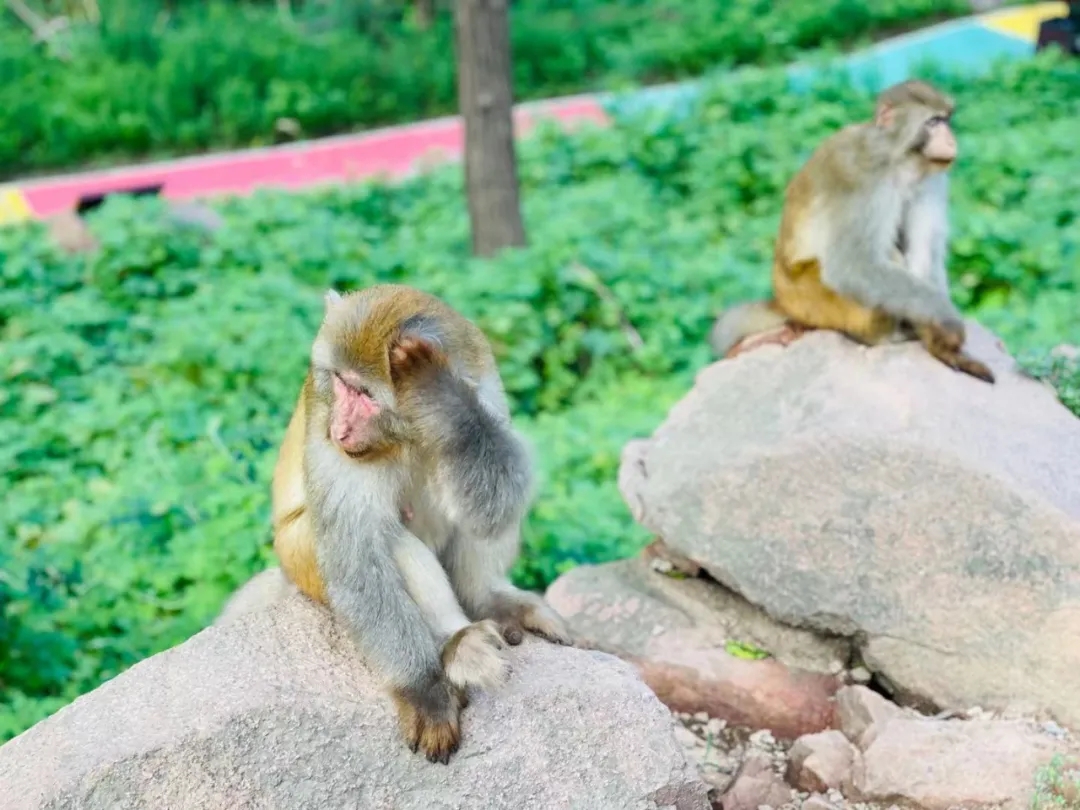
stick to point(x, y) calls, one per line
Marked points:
point(397, 500)
point(863, 234)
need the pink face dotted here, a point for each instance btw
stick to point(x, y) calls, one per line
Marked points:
point(941, 144)
point(352, 415)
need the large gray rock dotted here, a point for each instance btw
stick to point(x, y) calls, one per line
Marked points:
point(274, 710)
point(877, 494)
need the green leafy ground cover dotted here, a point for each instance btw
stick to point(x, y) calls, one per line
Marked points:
point(146, 386)
point(144, 81)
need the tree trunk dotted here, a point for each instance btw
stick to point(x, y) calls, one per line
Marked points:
point(425, 13)
point(485, 98)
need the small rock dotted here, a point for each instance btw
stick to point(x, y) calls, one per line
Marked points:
point(701, 717)
point(862, 713)
point(755, 785)
point(861, 675)
point(940, 764)
point(661, 566)
point(715, 726)
point(818, 762)
point(836, 667)
point(1054, 730)
point(817, 802)
point(71, 233)
point(762, 738)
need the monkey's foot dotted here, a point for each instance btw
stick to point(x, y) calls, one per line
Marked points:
point(520, 612)
point(431, 720)
point(781, 336)
point(474, 656)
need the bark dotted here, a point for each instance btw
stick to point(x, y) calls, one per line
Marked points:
point(485, 98)
point(425, 13)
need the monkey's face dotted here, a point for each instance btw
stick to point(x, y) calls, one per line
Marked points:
point(919, 124)
point(355, 423)
point(938, 144)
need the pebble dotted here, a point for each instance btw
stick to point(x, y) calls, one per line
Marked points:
point(715, 726)
point(701, 717)
point(662, 566)
point(836, 667)
point(762, 738)
point(861, 675)
point(1054, 730)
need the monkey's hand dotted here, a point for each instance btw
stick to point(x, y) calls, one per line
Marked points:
point(945, 341)
point(415, 361)
point(430, 718)
point(519, 612)
point(473, 656)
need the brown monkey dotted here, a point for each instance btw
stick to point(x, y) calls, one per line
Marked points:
point(403, 417)
point(862, 240)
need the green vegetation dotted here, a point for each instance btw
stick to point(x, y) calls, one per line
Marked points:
point(146, 386)
point(1057, 785)
point(142, 81)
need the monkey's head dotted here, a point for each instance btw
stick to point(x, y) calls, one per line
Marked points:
point(916, 119)
point(357, 361)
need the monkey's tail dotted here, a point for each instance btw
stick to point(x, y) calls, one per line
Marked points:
point(262, 590)
point(741, 321)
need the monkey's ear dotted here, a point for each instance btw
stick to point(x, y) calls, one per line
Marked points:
point(884, 115)
point(331, 297)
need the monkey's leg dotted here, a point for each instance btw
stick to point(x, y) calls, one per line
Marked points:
point(477, 568)
point(947, 346)
point(366, 592)
point(471, 653)
point(809, 303)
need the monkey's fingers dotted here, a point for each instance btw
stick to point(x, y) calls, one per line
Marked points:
point(411, 355)
point(546, 623)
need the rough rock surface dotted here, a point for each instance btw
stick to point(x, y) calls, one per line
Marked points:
point(675, 630)
point(276, 710)
point(877, 493)
point(941, 764)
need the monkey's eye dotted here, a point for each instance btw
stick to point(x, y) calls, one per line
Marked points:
point(937, 119)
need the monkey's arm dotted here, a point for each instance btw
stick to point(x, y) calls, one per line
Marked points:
point(365, 589)
point(482, 479)
point(483, 472)
point(862, 265)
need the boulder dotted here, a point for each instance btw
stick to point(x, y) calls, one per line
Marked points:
point(275, 709)
point(675, 631)
point(876, 494)
point(942, 764)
